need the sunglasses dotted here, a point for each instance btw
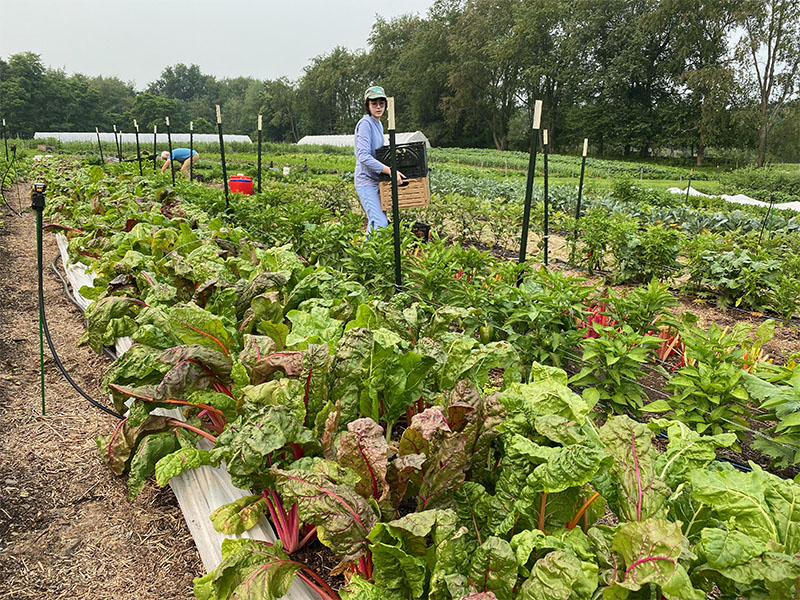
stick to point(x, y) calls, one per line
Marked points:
point(377, 101)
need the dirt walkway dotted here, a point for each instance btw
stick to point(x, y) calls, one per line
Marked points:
point(67, 528)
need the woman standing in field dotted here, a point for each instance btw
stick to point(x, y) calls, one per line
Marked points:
point(368, 138)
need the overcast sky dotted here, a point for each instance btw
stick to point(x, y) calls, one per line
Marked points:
point(135, 39)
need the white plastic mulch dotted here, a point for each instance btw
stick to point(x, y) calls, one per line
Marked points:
point(198, 491)
point(738, 199)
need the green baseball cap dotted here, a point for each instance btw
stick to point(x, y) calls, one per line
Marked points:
point(374, 92)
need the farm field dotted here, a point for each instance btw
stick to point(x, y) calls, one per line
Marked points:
point(467, 436)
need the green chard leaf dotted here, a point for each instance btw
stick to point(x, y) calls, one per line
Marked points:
point(634, 489)
point(151, 449)
point(240, 515)
point(250, 569)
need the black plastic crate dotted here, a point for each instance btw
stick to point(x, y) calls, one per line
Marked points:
point(412, 159)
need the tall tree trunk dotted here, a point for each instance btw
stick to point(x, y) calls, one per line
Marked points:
point(701, 152)
point(762, 136)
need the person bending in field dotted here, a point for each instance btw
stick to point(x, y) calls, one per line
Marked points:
point(368, 138)
point(179, 160)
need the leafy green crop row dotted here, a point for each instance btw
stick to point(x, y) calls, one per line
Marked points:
point(429, 440)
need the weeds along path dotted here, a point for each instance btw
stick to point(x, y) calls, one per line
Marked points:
point(67, 528)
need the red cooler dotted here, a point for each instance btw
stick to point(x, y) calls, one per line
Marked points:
point(241, 184)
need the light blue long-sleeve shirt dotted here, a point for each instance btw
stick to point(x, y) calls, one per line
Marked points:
point(368, 138)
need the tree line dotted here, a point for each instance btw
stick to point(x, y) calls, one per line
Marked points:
point(634, 76)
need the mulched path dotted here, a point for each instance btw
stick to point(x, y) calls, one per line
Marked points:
point(67, 527)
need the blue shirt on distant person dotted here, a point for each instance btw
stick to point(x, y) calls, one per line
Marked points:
point(181, 154)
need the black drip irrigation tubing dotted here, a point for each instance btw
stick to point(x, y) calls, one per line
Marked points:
point(50, 344)
point(107, 351)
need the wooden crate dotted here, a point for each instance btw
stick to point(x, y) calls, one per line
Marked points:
point(413, 195)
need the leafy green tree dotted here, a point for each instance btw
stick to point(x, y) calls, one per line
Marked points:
point(183, 83)
point(330, 92)
point(769, 52)
point(708, 75)
point(279, 110)
point(23, 91)
point(150, 109)
point(486, 72)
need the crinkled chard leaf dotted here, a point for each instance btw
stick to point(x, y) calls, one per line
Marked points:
point(560, 575)
point(633, 490)
point(343, 518)
point(250, 570)
point(150, 450)
point(363, 449)
point(238, 516)
point(116, 449)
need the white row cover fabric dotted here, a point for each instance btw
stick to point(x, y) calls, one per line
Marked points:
point(347, 140)
point(198, 491)
point(738, 199)
point(144, 138)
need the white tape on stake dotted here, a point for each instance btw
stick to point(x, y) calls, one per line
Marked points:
point(259, 122)
point(544, 137)
point(390, 110)
point(135, 125)
point(96, 130)
point(191, 125)
point(219, 114)
point(115, 128)
point(166, 120)
point(4, 122)
point(585, 146)
point(537, 114)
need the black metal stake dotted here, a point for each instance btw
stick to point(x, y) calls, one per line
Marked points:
point(191, 150)
point(99, 145)
point(222, 155)
point(689, 185)
point(526, 215)
point(138, 150)
point(5, 138)
point(546, 237)
point(766, 218)
point(171, 157)
point(116, 144)
point(398, 277)
point(37, 203)
point(259, 154)
point(580, 196)
point(155, 138)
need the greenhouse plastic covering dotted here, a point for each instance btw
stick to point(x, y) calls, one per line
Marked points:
point(347, 140)
point(738, 199)
point(144, 138)
point(198, 491)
